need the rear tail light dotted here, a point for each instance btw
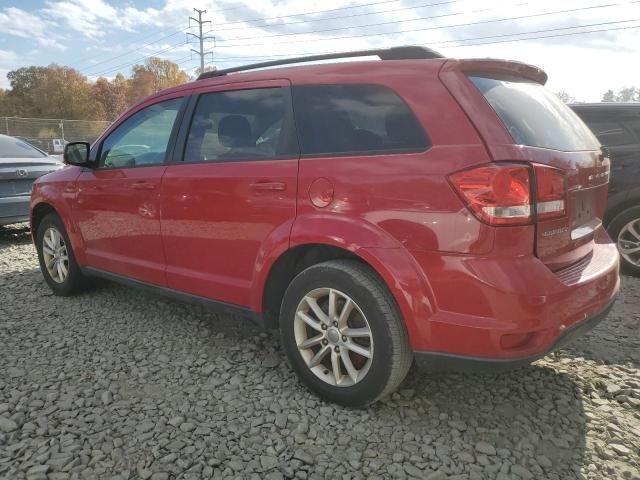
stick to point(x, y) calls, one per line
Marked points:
point(500, 193)
point(551, 192)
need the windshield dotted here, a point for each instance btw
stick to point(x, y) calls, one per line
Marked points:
point(534, 116)
point(11, 147)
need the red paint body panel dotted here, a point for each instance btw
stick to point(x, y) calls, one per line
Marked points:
point(459, 283)
point(118, 215)
point(214, 224)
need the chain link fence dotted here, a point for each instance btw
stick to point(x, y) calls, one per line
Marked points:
point(50, 134)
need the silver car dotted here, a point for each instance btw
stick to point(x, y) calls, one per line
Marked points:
point(20, 164)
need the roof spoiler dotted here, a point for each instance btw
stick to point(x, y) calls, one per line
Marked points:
point(411, 52)
point(490, 66)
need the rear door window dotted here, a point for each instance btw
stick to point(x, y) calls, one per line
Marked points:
point(252, 124)
point(534, 116)
point(355, 119)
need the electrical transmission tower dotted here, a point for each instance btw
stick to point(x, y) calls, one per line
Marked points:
point(201, 36)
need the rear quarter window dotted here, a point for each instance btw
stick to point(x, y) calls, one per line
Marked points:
point(11, 147)
point(355, 119)
point(534, 116)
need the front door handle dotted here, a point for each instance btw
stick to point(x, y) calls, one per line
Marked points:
point(269, 186)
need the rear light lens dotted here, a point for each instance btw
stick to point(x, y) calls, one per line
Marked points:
point(551, 192)
point(499, 194)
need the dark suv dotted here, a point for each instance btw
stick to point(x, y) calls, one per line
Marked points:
point(376, 211)
point(617, 126)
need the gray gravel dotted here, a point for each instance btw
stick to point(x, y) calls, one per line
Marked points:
point(119, 384)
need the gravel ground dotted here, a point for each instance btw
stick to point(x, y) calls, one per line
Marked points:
point(120, 384)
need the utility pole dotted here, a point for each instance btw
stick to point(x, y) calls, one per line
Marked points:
point(200, 37)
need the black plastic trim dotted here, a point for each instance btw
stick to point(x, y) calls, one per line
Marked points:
point(410, 52)
point(446, 362)
point(217, 306)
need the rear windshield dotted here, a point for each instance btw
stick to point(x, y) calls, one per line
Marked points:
point(15, 148)
point(534, 116)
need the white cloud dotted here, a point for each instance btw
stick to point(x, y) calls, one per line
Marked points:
point(20, 23)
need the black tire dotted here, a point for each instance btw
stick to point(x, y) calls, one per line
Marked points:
point(75, 281)
point(614, 228)
point(392, 355)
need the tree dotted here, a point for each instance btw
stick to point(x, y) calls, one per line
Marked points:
point(565, 97)
point(112, 95)
point(58, 91)
point(51, 92)
point(628, 94)
point(155, 75)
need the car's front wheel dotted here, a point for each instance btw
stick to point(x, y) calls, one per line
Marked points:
point(57, 262)
point(343, 334)
point(625, 230)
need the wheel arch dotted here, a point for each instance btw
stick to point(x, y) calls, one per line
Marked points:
point(46, 199)
point(621, 202)
point(394, 267)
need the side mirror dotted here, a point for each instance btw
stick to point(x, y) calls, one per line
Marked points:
point(77, 153)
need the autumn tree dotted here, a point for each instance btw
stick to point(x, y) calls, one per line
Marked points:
point(51, 92)
point(155, 75)
point(62, 92)
point(112, 95)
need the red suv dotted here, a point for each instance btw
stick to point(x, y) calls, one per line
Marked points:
point(375, 212)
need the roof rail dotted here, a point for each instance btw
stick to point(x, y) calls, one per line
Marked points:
point(412, 52)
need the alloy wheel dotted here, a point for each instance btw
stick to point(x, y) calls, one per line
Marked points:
point(629, 242)
point(333, 337)
point(55, 255)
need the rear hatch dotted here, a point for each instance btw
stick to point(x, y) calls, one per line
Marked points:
point(524, 123)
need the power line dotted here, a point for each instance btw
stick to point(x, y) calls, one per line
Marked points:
point(407, 31)
point(435, 44)
point(133, 50)
point(573, 10)
point(313, 20)
point(431, 17)
point(108, 60)
point(141, 59)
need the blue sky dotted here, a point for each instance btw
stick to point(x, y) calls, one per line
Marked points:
point(103, 37)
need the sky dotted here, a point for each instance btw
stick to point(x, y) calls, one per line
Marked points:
point(103, 37)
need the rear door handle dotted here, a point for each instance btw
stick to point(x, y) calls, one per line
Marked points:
point(143, 185)
point(269, 186)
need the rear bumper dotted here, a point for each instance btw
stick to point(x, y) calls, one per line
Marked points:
point(443, 362)
point(512, 308)
point(14, 209)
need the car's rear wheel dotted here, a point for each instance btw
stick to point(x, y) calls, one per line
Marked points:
point(343, 334)
point(625, 230)
point(57, 262)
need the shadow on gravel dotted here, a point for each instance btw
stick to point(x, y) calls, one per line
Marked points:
point(14, 235)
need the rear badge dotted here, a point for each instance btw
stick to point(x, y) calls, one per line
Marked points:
point(555, 231)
